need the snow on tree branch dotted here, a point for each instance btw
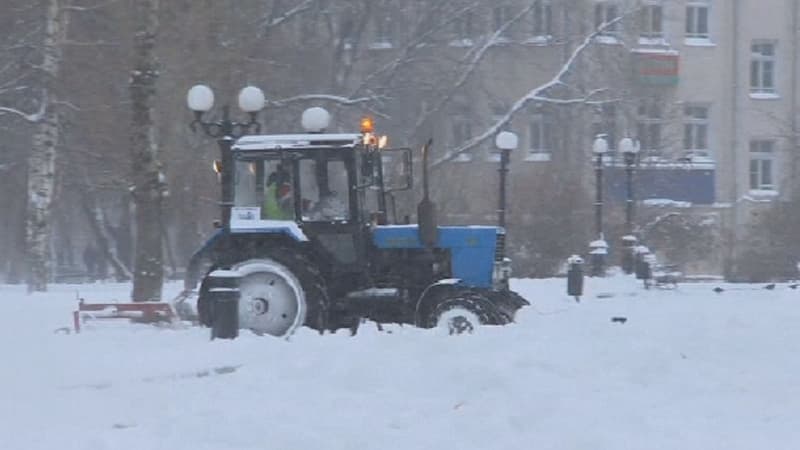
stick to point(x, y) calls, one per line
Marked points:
point(77, 8)
point(272, 22)
point(536, 94)
point(13, 85)
point(88, 43)
point(321, 97)
point(658, 220)
point(571, 101)
point(29, 117)
point(69, 105)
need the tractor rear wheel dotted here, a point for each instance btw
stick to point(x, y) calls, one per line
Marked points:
point(462, 312)
point(279, 294)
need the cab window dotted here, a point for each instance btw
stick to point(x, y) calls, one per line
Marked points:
point(324, 190)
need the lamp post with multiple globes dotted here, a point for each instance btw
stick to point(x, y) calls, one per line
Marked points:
point(200, 99)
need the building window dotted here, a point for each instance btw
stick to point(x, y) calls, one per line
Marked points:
point(695, 129)
point(542, 19)
point(348, 32)
point(540, 138)
point(462, 132)
point(649, 125)
point(463, 31)
point(501, 15)
point(651, 21)
point(428, 21)
point(762, 161)
point(697, 20)
point(605, 12)
point(499, 112)
point(384, 30)
point(605, 124)
point(762, 67)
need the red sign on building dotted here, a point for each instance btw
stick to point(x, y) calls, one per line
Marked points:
point(656, 68)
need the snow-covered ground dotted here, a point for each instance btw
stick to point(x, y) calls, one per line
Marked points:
point(690, 369)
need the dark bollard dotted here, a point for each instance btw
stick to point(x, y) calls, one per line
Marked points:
point(649, 264)
point(628, 253)
point(643, 270)
point(224, 313)
point(598, 251)
point(639, 262)
point(575, 277)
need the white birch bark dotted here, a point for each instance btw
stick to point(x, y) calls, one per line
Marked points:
point(42, 159)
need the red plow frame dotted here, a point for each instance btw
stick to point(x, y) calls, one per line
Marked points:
point(143, 312)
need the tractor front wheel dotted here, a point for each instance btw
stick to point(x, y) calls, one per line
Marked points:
point(462, 313)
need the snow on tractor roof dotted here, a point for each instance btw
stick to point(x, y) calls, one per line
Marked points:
point(315, 140)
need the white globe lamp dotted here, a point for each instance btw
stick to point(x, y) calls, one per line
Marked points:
point(626, 145)
point(506, 140)
point(251, 99)
point(600, 146)
point(315, 120)
point(200, 98)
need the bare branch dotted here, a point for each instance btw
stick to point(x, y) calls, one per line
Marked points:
point(89, 44)
point(414, 44)
point(533, 94)
point(322, 97)
point(475, 56)
point(4, 90)
point(571, 101)
point(32, 117)
point(69, 105)
point(272, 22)
point(87, 8)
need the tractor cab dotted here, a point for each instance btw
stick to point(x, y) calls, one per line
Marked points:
point(323, 189)
point(314, 178)
point(301, 178)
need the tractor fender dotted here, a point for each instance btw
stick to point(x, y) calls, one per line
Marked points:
point(507, 302)
point(431, 293)
point(203, 260)
point(219, 252)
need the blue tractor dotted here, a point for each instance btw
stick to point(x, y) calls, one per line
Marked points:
point(310, 237)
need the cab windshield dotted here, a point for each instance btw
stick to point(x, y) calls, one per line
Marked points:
point(265, 189)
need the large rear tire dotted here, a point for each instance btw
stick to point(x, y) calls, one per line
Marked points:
point(279, 294)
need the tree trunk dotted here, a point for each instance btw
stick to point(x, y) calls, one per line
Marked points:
point(99, 226)
point(148, 274)
point(42, 159)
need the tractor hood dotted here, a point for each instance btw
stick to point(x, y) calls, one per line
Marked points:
point(472, 248)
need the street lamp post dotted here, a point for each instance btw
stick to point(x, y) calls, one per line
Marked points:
point(506, 141)
point(599, 247)
point(630, 150)
point(200, 99)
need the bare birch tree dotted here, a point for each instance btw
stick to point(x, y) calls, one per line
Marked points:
point(42, 159)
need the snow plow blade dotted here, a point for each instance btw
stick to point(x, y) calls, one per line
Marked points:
point(141, 312)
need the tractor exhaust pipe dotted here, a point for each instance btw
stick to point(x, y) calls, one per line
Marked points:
point(426, 210)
